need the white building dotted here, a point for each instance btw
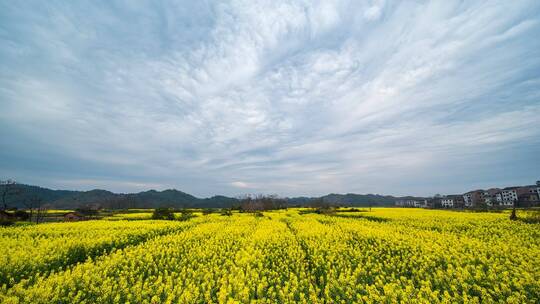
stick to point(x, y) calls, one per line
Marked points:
point(537, 189)
point(421, 203)
point(411, 203)
point(509, 196)
point(468, 199)
point(452, 201)
point(447, 202)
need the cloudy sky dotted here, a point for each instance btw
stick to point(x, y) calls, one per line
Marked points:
point(286, 97)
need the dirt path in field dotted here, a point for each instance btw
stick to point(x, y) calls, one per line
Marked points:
point(311, 267)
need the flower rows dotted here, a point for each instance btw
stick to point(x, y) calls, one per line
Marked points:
point(412, 256)
point(47, 248)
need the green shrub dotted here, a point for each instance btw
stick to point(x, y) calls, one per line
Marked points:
point(185, 215)
point(5, 223)
point(21, 215)
point(163, 214)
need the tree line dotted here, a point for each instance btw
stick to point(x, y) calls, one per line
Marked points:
point(35, 208)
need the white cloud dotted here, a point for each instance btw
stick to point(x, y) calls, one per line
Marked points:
point(294, 97)
point(239, 184)
point(374, 11)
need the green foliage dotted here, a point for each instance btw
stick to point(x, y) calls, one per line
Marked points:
point(6, 223)
point(185, 215)
point(163, 214)
point(21, 215)
point(226, 212)
point(325, 210)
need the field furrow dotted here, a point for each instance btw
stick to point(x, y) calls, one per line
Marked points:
point(49, 248)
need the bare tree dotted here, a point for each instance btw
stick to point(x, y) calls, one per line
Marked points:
point(323, 206)
point(259, 202)
point(9, 187)
point(37, 208)
point(249, 203)
point(30, 205)
point(41, 210)
point(513, 215)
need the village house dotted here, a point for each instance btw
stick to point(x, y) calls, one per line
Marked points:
point(417, 203)
point(452, 201)
point(447, 202)
point(472, 198)
point(73, 217)
point(492, 196)
point(528, 196)
point(434, 202)
point(522, 196)
point(509, 196)
point(405, 203)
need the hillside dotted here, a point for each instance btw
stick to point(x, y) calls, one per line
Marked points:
point(68, 199)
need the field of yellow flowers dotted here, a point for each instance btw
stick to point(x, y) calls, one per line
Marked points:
point(382, 256)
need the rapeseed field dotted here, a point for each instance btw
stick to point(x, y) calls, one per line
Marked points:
point(382, 256)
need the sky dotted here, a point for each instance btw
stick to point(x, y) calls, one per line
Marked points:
point(284, 97)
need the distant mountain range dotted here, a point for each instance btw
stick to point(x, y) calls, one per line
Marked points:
point(68, 199)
